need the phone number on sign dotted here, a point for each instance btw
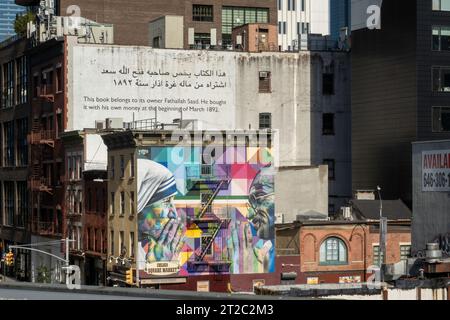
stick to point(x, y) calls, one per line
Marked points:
point(436, 180)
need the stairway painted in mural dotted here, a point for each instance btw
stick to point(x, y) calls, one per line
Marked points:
point(206, 246)
point(211, 199)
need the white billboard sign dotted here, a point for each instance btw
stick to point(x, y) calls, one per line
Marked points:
point(140, 83)
point(436, 170)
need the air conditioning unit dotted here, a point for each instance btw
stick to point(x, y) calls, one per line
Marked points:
point(346, 213)
point(100, 125)
point(279, 217)
point(114, 123)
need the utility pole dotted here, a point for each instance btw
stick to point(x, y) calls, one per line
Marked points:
point(383, 231)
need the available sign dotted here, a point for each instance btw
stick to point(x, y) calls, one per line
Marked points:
point(165, 268)
point(436, 170)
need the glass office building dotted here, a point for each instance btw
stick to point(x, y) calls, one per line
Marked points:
point(8, 12)
point(340, 13)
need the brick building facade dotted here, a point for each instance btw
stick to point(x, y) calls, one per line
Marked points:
point(131, 18)
point(341, 251)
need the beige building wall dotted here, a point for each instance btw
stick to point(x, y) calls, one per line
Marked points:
point(299, 190)
point(122, 219)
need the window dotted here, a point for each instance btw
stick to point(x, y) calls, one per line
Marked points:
point(333, 251)
point(291, 5)
point(376, 256)
point(237, 16)
point(112, 207)
point(280, 4)
point(284, 27)
point(98, 198)
point(8, 85)
point(122, 247)
point(265, 121)
point(22, 80)
point(122, 166)
point(47, 82)
point(88, 239)
point(265, 82)
point(303, 5)
point(22, 142)
point(205, 241)
point(122, 203)
point(8, 144)
point(111, 164)
point(36, 87)
point(80, 202)
point(331, 168)
point(131, 202)
point(132, 166)
point(202, 40)
point(22, 203)
point(202, 13)
point(441, 79)
point(96, 243)
point(328, 124)
point(204, 199)
point(441, 38)
point(8, 187)
point(441, 5)
point(441, 119)
point(59, 80)
point(131, 244)
point(157, 42)
point(328, 83)
point(405, 252)
point(112, 242)
point(305, 27)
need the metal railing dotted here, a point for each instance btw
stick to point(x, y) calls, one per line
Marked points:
point(42, 136)
point(206, 171)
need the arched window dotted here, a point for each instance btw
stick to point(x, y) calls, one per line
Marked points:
point(333, 251)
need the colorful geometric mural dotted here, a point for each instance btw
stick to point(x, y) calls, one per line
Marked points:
point(208, 214)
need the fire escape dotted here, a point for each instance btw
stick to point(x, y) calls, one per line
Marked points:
point(41, 140)
point(207, 220)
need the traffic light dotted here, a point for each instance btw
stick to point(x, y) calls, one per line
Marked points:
point(9, 259)
point(129, 278)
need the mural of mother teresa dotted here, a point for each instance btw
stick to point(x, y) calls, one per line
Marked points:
point(161, 231)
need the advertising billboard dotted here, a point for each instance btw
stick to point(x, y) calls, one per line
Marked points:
point(200, 216)
point(141, 83)
point(436, 171)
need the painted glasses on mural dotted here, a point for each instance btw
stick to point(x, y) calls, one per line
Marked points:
point(206, 215)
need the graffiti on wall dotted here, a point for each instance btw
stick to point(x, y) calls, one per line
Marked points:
point(206, 215)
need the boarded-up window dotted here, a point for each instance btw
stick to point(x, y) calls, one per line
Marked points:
point(286, 240)
point(356, 246)
point(264, 81)
point(309, 248)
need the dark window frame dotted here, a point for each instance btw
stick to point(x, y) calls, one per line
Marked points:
point(202, 13)
point(436, 114)
point(265, 120)
point(327, 129)
point(265, 82)
point(328, 80)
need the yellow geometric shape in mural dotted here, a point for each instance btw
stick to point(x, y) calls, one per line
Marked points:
point(193, 233)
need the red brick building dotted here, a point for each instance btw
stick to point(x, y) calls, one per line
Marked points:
point(131, 18)
point(342, 251)
point(86, 204)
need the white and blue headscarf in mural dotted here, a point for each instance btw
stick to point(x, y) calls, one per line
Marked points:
point(155, 182)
